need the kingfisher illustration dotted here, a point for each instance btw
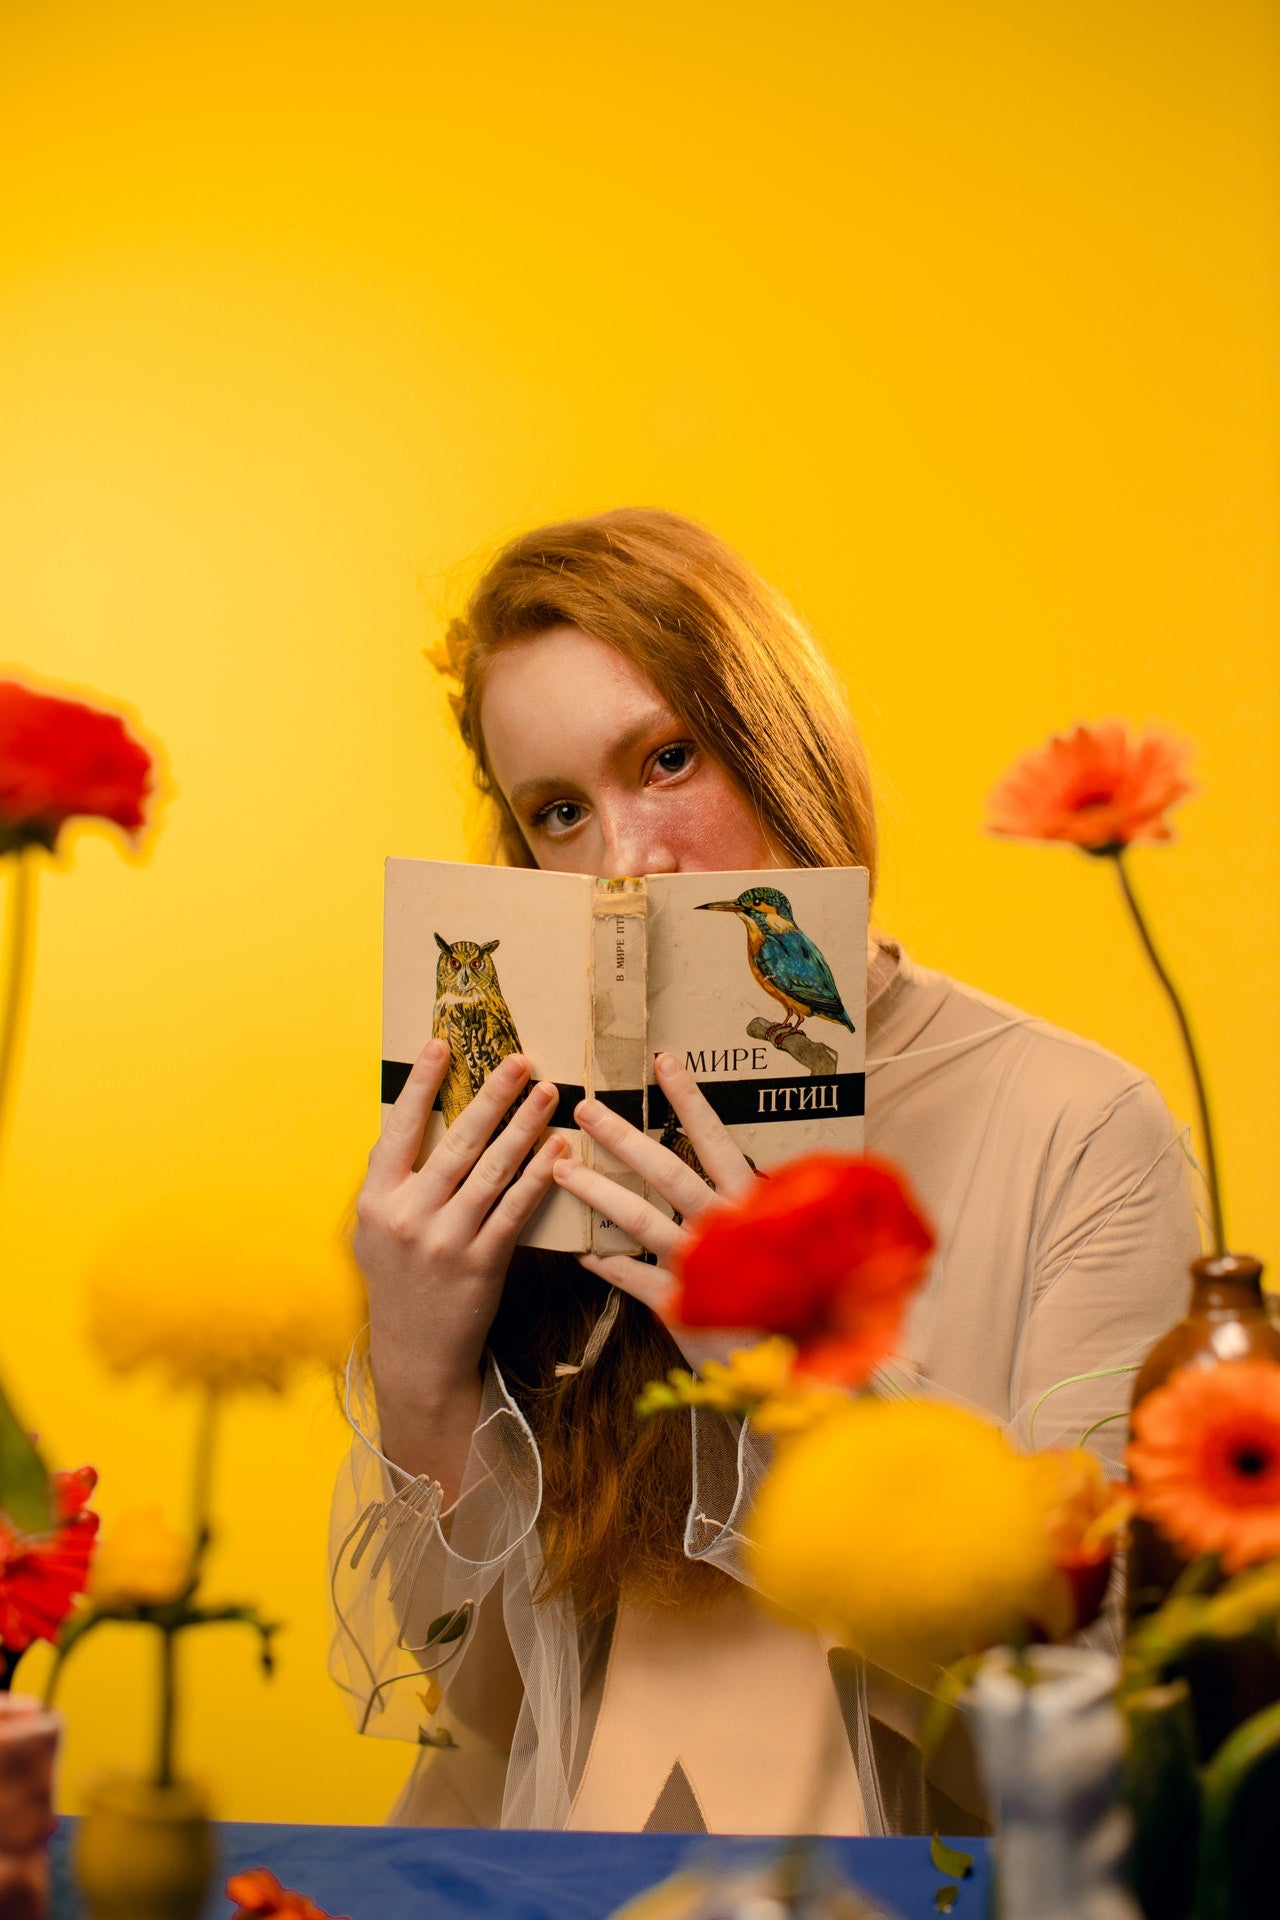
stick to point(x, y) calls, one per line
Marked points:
point(784, 960)
point(471, 1014)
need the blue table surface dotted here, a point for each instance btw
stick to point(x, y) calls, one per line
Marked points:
point(435, 1873)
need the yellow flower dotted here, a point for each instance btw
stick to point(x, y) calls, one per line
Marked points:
point(222, 1293)
point(758, 1380)
point(912, 1532)
point(751, 1374)
point(140, 1561)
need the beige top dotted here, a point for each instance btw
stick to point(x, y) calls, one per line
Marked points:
point(1058, 1184)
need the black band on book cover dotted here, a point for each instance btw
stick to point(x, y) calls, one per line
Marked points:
point(739, 1103)
point(751, 1103)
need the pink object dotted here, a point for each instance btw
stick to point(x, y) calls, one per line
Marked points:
point(28, 1742)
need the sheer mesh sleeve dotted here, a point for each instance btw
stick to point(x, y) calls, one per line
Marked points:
point(730, 1461)
point(419, 1593)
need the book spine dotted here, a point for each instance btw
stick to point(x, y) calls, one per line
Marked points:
point(619, 1038)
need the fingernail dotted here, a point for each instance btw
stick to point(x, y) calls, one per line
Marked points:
point(515, 1066)
point(555, 1147)
point(433, 1051)
point(546, 1090)
point(665, 1062)
point(588, 1110)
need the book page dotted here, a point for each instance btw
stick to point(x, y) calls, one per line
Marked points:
point(521, 941)
point(758, 983)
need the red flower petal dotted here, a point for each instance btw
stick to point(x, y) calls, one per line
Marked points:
point(259, 1895)
point(826, 1251)
point(61, 759)
point(1100, 787)
point(41, 1574)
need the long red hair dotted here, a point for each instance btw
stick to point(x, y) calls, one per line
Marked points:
point(735, 662)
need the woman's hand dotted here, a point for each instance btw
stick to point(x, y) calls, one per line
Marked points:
point(727, 1168)
point(434, 1244)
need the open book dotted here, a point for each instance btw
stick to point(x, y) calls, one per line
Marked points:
point(757, 981)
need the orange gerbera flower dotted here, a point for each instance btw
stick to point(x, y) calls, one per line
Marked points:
point(257, 1894)
point(1099, 788)
point(1205, 1460)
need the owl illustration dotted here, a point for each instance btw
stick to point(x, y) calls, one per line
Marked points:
point(471, 1014)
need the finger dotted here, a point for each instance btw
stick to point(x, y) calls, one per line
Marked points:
point(405, 1121)
point(498, 1236)
point(727, 1166)
point(679, 1185)
point(452, 1158)
point(501, 1159)
point(627, 1210)
point(652, 1285)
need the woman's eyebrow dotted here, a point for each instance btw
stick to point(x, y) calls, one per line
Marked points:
point(527, 793)
point(630, 738)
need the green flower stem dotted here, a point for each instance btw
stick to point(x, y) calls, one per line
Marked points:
point(202, 1481)
point(1193, 1061)
point(168, 1706)
point(1223, 1780)
point(17, 973)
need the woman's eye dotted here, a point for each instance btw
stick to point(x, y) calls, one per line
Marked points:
point(561, 817)
point(674, 759)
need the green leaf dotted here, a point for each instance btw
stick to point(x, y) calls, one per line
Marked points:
point(449, 1626)
point(949, 1690)
point(1199, 1576)
point(1223, 1781)
point(25, 1490)
point(944, 1898)
point(950, 1859)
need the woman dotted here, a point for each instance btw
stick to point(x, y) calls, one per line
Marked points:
point(636, 701)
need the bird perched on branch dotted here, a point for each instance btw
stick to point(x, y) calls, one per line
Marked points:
point(785, 961)
point(472, 1016)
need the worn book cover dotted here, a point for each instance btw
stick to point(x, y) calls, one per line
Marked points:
point(757, 981)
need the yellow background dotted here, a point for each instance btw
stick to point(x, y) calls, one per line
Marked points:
point(959, 319)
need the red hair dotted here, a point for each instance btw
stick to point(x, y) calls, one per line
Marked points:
point(732, 659)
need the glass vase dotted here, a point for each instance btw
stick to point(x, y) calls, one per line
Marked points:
point(750, 1880)
point(29, 1734)
point(143, 1852)
point(1051, 1754)
point(1228, 1319)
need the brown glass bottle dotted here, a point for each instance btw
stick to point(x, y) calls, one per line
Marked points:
point(1227, 1320)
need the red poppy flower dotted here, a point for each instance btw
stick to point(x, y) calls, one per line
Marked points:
point(41, 1574)
point(258, 1893)
point(1099, 788)
point(827, 1251)
point(1205, 1460)
point(60, 759)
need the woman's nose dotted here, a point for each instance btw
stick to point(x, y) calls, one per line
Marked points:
point(629, 850)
